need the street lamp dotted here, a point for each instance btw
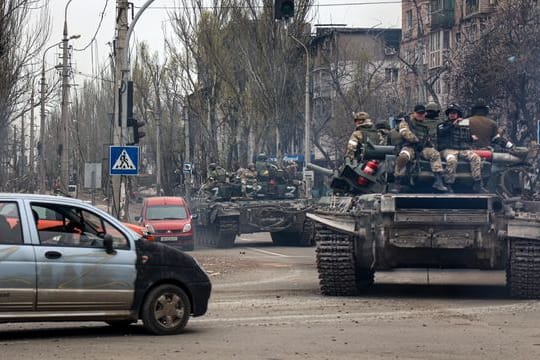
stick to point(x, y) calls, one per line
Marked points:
point(307, 120)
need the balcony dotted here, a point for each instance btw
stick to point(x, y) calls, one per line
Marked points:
point(442, 19)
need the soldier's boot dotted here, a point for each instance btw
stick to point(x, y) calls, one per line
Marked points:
point(449, 187)
point(438, 184)
point(478, 187)
point(396, 186)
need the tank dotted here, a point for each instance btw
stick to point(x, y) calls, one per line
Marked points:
point(273, 203)
point(363, 229)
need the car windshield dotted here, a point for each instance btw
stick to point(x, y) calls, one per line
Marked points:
point(166, 212)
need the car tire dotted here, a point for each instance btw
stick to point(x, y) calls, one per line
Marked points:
point(166, 310)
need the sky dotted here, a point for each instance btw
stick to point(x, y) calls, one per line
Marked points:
point(83, 17)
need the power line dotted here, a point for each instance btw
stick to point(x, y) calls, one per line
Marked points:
point(262, 7)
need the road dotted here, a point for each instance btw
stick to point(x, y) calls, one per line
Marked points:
point(266, 305)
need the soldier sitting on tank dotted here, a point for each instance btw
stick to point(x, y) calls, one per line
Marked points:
point(455, 141)
point(216, 175)
point(363, 130)
point(487, 134)
point(416, 140)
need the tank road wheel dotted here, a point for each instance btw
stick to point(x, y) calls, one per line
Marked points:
point(307, 236)
point(226, 233)
point(166, 310)
point(523, 269)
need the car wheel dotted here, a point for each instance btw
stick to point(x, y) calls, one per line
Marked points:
point(166, 310)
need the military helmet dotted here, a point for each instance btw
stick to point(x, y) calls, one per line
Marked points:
point(454, 107)
point(362, 115)
point(212, 166)
point(433, 106)
point(251, 166)
point(480, 108)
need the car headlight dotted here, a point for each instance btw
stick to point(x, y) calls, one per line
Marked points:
point(150, 228)
point(187, 228)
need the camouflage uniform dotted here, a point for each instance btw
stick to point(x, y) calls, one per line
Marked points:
point(455, 141)
point(459, 137)
point(410, 139)
point(354, 146)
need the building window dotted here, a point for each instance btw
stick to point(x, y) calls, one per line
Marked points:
point(408, 20)
point(435, 49)
point(471, 7)
point(391, 75)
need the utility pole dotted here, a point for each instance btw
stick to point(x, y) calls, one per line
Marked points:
point(64, 128)
point(122, 76)
point(120, 126)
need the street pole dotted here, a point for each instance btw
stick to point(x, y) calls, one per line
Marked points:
point(307, 120)
point(122, 76)
point(64, 129)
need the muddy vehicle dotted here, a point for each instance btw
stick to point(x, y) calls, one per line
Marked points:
point(359, 233)
point(271, 205)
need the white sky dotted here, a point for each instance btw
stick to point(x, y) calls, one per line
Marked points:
point(83, 18)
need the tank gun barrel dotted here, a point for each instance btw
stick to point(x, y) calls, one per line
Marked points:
point(320, 169)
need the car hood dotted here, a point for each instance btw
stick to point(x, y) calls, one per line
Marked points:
point(168, 224)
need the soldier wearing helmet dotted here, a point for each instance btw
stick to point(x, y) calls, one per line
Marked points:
point(432, 110)
point(354, 147)
point(456, 141)
point(417, 140)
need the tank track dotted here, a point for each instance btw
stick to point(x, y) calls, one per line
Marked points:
point(523, 271)
point(226, 229)
point(335, 263)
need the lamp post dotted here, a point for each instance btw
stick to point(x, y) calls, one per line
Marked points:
point(307, 120)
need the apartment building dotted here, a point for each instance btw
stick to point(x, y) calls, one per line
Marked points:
point(432, 33)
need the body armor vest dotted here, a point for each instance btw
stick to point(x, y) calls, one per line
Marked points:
point(420, 130)
point(461, 135)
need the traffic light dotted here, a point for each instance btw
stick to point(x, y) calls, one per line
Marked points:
point(283, 9)
point(135, 125)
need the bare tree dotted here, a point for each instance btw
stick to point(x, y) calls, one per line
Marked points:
point(499, 63)
point(20, 43)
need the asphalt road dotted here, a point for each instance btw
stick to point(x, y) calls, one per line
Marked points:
point(266, 305)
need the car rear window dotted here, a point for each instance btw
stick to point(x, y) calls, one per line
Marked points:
point(166, 212)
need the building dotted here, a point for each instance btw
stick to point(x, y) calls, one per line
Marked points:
point(432, 32)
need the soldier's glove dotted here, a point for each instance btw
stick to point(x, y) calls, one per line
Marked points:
point(418, 147)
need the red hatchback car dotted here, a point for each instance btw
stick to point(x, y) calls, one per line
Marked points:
point(168, 219)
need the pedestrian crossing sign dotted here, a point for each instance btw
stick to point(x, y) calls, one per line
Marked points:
point(124, 160)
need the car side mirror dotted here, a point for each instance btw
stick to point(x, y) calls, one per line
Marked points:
point(108, 244)
point(194, 216)
point(137, 218)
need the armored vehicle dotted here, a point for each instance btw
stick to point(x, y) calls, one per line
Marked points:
point(273, 203)
point(359, 233)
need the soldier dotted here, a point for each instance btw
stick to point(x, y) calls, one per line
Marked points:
point(354, 146)
point(416, 138)
point(432, 111)
point(485, 131)
point(247, 175)
point(455, 140)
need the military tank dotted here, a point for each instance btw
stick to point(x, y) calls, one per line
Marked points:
point(362, 228)
point(271, 204)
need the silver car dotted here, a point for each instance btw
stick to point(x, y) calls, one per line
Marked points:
point(64, 260)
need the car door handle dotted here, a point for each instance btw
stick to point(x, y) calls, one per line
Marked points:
point(52, 254)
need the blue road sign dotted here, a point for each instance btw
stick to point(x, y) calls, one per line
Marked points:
point(124, 160)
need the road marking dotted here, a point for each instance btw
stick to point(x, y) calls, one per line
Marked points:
point(271, 253)
point(378, 315)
